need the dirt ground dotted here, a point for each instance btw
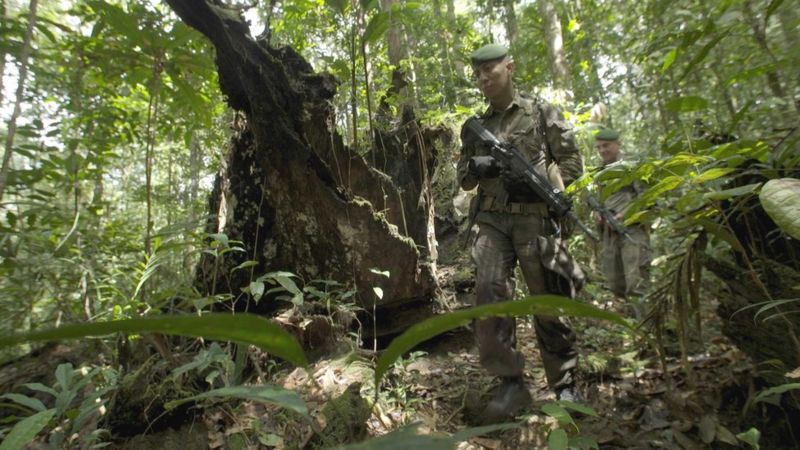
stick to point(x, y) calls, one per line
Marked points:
point(441, 388)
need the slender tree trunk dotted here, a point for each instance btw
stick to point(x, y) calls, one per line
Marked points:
point(25, 53)
point(152, 120)
point(2, 52)
point(448, 75)
point(354, 32)
point(790, 29)
point(512, 29)
point(774, 76)
point(555, 47)
point(397, 52)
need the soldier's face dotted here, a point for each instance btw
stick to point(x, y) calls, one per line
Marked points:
point(494, 77)
point(608, 150)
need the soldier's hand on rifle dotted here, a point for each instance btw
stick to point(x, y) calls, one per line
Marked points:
point(598, 218)
point(484, 166)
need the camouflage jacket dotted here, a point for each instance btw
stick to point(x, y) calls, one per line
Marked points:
point(538, 130)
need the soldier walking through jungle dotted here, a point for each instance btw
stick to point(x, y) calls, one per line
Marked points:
point(515, 226)
point(625, 259)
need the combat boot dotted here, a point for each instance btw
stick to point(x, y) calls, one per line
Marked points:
point(509, 398)
point(569, 394)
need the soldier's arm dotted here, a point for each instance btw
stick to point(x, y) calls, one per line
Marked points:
point(561, 142)
point(466, 180)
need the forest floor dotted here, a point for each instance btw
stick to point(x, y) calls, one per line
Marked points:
point(441, 387)
point(640, 400)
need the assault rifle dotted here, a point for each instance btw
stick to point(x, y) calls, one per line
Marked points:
point(607, 215)
point(513, 161)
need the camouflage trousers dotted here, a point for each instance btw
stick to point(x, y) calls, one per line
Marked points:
point(503, 239)
point(626, 262)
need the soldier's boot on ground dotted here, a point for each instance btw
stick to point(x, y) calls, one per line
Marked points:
point(569, 394)
point(509, 398)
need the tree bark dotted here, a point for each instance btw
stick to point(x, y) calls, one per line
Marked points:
point(292, 192)
point(2, 52)
point(555, 47)
point(774, 76)
point(512, 29)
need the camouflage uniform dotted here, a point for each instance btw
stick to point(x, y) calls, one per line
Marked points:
point(625, 262)
point(514, 227)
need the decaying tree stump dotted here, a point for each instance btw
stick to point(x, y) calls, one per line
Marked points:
point(299, 199)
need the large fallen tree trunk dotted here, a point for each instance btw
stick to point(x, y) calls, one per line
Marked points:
point(296, 197)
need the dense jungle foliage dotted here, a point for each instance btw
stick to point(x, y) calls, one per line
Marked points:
point(116, 133)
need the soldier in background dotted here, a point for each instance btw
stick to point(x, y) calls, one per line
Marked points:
point(625, 258)
point(515, 226)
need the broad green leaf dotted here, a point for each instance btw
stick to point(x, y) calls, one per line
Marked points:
point(578, 407)
point(376, 27)
point(701, 55)
point(247, 328)
point(687, 104)
point(123, 22)
point(583, 443)
point(378, 292)
point(717, 230)
point(41, 388)
point(256, 289)
point(712, 174)
point(27, 429)
point(667, 184)
point(246, 264)
point(558, 412)
point(403, 439)
point(750, 437)
point(781, 200)
point(64, 375)
point(32, 403)
point(288, 284)
point(470, 433)
point(671, 56)
point(558, 440)
point(221, 238)
point(551, 305)
point(408, 438)
point(686, 159)
point(270, 394)
point(732, 192)
point(775, 391)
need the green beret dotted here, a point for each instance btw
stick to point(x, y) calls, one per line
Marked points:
point(607, 134)
point(488, 52)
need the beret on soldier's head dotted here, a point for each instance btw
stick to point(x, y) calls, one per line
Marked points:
point(607, 134)
point(488, 52)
